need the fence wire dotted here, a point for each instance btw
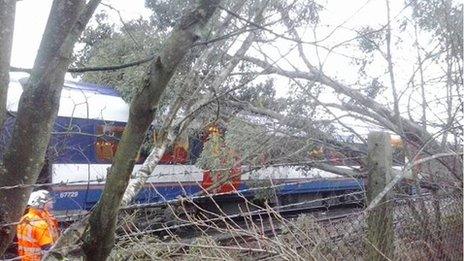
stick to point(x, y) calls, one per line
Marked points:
point(424, 227)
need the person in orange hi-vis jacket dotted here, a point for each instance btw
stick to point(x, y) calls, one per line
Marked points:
point(38, 229)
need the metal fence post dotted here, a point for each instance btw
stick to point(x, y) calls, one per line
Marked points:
point(380, 233)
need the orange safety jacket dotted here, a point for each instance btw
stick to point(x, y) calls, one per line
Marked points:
point(37, 229)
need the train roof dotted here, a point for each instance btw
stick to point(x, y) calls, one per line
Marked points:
point(81, 100)
point(103, 90)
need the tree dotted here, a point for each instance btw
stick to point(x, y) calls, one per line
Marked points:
point(178, 96)
point(24, 157)
point(7, 15)
point(99, 240)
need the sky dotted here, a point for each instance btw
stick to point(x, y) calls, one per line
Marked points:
point(31, 18)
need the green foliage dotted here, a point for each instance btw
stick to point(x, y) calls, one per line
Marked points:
point(303, 101)
point(107, 44)
point(143, 248)
point(369, 43)
point(261, 95)
point(264, 192)
point(215, 155)
point(444, 19)
point(92, 36)
point(104, 46)
point(166, 12)
point(247, 139)
point(252, 144)
point(374, 88)
point(207, 247)
point(300, 12)
point(369, 39)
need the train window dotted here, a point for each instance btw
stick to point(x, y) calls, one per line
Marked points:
point(107, 141)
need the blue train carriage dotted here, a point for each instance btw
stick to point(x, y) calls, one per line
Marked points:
point(85, 135)
point(90, 122)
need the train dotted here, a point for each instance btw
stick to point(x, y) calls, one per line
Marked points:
point(85, 135)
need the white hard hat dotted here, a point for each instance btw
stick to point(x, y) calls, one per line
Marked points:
point(39, 198)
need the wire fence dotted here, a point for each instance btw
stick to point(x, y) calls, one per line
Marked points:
point(425, 227)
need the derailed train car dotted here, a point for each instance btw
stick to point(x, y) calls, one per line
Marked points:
point(85, 137)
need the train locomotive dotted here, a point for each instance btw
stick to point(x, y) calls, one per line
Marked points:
point(85, 136)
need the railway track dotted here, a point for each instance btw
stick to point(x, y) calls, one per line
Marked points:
point(271, 228)
point(193, 226)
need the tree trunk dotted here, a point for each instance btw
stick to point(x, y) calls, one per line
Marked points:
point(144, 172)
point(99, 239)
point(38, 108)
point(7, 16)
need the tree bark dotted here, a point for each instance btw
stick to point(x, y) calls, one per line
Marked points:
point(38, 108)
point(142, 175)
point(7, 16)
point(99, 238)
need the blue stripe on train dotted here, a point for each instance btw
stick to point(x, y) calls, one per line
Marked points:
point(85, 199)
point(79, 199)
